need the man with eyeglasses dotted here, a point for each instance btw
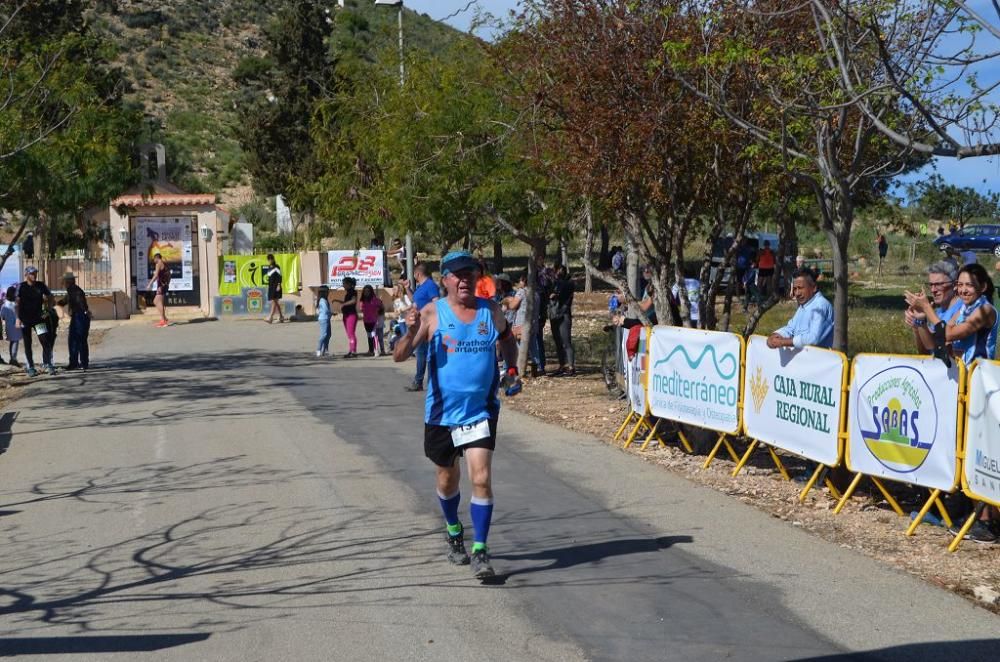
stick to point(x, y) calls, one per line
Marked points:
point(461, 334)
point(941, 277)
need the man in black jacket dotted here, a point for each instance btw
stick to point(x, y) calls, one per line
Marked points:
point(35, 315)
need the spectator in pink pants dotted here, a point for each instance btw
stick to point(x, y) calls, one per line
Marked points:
point(349, 309)
point(372, 311)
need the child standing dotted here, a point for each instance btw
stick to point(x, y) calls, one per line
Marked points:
point(9, 316)
point(371, 306)
point(323, 315)
point(349, 309)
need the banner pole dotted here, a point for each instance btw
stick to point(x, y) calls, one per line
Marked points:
point(911, 529)
point(624, 425)
point(746, 456)
point(812, 481)
point(847, 493)
point(888, 497)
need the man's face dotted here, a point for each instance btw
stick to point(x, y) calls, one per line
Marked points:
point(803, 289)
point(30, 277)
point(942, 289)
point(68, 282)
point(462, 283)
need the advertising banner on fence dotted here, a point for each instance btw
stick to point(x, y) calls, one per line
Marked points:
point(695, 377)
point(792, 399)
point(982, 434)
point(900, 426)
point(242, 272)
point(171, 238)
point(635, 369)
point(367, 267)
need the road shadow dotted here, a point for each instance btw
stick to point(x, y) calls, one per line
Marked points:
point(6, 427)
point(134, 643)
point(967, 650)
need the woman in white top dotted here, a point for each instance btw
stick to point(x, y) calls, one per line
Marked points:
point(9, 315)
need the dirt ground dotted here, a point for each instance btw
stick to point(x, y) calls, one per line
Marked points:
point(866, 524)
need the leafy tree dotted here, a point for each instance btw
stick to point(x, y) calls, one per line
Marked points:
point(942, 201)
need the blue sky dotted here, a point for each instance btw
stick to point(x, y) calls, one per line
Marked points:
point(982, 174)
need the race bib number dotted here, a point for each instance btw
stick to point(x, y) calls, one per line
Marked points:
point(41, 329)
point(466, 434)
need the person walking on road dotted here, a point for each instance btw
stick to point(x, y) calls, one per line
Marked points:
point(462, 333)
point(274, 289)
point(34, 309)
point(11, 329)
point(161, 276)
point(79, 323)
point(323, 315)
point(561, 319)
point(426, 292)
point(349, 311)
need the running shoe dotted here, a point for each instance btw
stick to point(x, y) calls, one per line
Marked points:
point(318, 353)
point(52, 369)
point(456, 549)
point(979, 532)
point(481, 566)
point(413, 386)
point(31, 372)
point(161, 324)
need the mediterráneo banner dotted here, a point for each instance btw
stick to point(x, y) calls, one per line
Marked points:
point(903, 418)
point(694, 377)
point(981, 478)
point(793, 399)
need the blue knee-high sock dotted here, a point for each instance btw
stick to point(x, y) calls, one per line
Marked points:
point(482, 512)
point(449, 506)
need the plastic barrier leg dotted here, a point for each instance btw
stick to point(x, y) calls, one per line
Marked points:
point(778, 463)
point(653, 433)
point(684, 440)
point(635, 431)
point(628, 419)
point(888, 497)
point(944, 513)
point(746, 456)
point(976, 512)
point(812, 481)
point(911, 529)
point(847, 494)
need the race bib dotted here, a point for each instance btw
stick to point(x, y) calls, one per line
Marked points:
point(41, 329)
point(466, 434)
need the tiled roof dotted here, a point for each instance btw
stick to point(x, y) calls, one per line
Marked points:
point(166, 200)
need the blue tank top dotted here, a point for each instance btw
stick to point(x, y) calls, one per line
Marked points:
point(462, 368)
point(983, 343)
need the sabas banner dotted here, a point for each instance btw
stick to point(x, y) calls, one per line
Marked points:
point(903, 418)
point(792, 399)
point(695, 377)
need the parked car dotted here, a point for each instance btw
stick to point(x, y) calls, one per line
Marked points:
point(978, 238)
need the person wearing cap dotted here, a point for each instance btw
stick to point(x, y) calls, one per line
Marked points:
point(462, 333)
point(426, 292)
point(35, 315)
point(79, 323)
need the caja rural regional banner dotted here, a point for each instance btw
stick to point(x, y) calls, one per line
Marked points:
point(694, 377)
point(367, 267)
point(793, 399)
point(903, 419)
point(171, 238)
point(982, 434)
point(240, 272)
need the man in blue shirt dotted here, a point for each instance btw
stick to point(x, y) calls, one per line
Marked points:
point(425, 293)
point(462, 333)
point(812, 323)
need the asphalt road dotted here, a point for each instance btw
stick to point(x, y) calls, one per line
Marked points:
point(213, 492)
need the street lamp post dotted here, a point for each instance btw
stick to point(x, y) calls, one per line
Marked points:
point(206, 236)
point(123, 241)
point(402, 81)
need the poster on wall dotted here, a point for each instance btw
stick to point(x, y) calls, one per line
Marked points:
point(366, 267)
point(694, 377)
point(903, 419)
point(982, 434)
point(793, 399)
point(171, 238)
point(242, 272)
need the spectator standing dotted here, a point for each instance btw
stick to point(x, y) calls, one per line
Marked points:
point(515, 303)
point(425, 293)
point(274, 289)
point(349, 311)
point(28, 246)
point(618, 260)
point(750, 289)
point(941, 277)
point(765, 268)
point(692, 287)
point(486, 286)
point(544, 280)
point(34, 308)
point(8, 312)
point(812, 323)
point(883, 250)
point(161, 276)
point(323, 315)
point(398, 251)
point(371, 308)
point(79, 323)
point(401, 302)
point(561, 319)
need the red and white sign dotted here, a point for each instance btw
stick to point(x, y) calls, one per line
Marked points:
point(366, 267)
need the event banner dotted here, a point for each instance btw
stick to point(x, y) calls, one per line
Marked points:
point(793, 399)
point(171, 238)
point(982, 434)
point(367, 267)
point(635, 369)
point(903, 418)
point(695, 377)
point(241, 272)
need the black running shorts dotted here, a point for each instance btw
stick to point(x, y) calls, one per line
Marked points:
point(439, 448)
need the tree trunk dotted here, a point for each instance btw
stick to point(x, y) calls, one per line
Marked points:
point(564, 252)
point(498, 255)
point(604, 261)
point(588, 248)
point(841, 281)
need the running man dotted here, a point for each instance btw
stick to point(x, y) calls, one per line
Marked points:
point(462, 333)
point(161, 276)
